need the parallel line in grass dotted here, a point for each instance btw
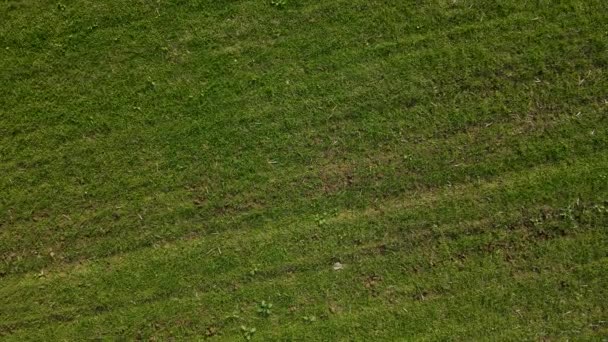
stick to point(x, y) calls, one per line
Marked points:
point(25, 116)
point(269, 278)
point(271, 235)
point(412, 37)
point(484, 23)
point(266, 283)
point(415, 55)
point(349, 101)
point(432, 144)
point(426, 311)
point(466, 191)
point(490, 23)
point(217, 223)
point(226, 284)
point(363, 250)
point(426, 242)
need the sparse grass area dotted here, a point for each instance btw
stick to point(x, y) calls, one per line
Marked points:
point(196, 168)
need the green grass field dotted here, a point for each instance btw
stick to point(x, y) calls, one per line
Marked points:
point(195, 169)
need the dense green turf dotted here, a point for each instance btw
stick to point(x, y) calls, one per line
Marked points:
point(166, 166)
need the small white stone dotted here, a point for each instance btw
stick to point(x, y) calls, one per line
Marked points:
point(338, 266)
